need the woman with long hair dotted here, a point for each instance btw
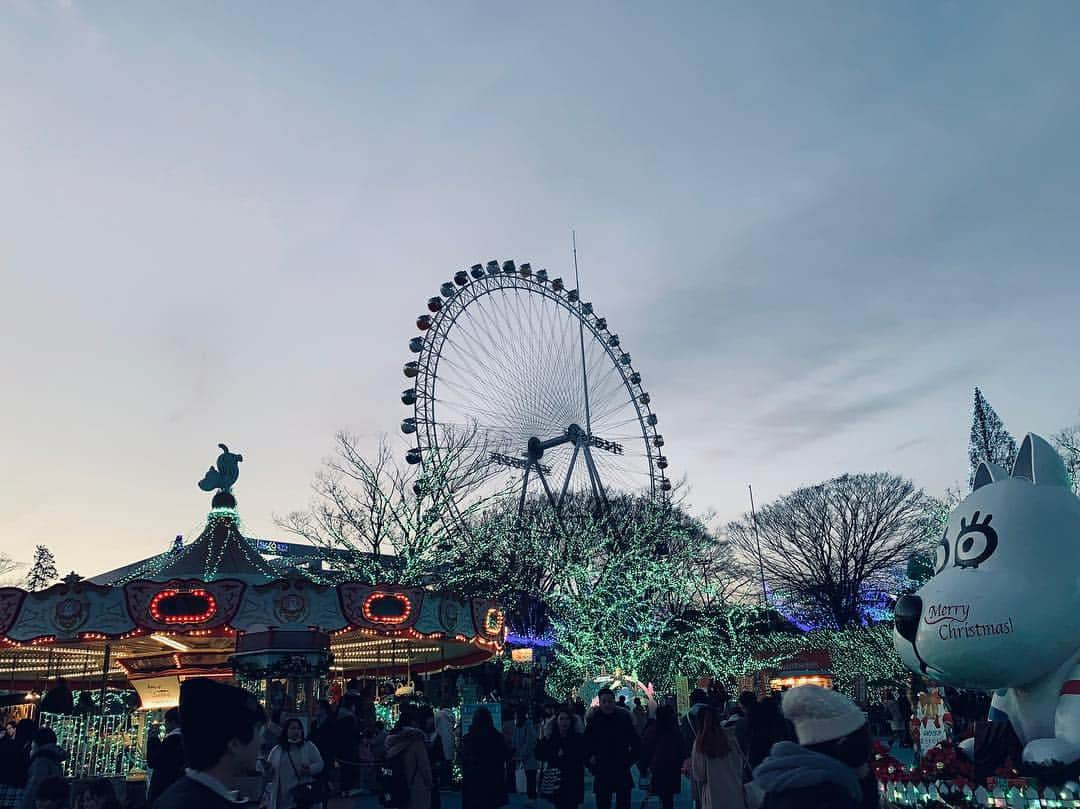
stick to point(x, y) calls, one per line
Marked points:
point(96, 793)
point(294, 761)
point(484, 753)
point(716, 764)
point(562, 749)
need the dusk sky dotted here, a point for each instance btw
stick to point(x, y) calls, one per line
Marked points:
point(816, 226)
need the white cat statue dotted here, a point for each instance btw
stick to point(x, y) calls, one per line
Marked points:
point(1002, 611)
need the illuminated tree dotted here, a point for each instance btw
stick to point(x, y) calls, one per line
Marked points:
point(636, 603)
point(989, 440)
point(42, 570)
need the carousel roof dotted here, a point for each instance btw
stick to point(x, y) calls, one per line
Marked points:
point(220, 552)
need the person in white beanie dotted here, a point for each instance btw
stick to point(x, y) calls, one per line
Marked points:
point(830, 766)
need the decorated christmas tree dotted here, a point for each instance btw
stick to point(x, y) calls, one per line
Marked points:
point(989, 441)
point(43, 570)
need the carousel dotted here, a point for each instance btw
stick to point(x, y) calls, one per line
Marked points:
point(217, 607)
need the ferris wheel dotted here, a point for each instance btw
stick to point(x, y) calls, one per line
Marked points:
point(538, 384)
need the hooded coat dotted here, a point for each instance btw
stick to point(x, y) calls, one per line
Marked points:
point(46, 761)
point(408, 744)
point(793, 777)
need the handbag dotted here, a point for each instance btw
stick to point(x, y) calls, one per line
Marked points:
point(307, 793)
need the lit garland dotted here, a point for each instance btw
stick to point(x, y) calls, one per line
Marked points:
point(100, 746)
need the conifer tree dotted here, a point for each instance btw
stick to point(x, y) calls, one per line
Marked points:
point(989, 441)
point(43, 570)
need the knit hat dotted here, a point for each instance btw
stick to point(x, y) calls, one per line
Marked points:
point(821, 714)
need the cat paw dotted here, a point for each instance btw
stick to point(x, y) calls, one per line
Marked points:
point(1051, 751)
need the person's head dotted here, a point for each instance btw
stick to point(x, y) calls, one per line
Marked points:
point(353, 685)
point(564, 722)
point(828, 722)
point(699, 697)
point(637, 702)
point(220, 724)
point(712, 740)
point(747, 700)
point(293, 732)
point(97, 794)
point(549, 710)
point(425, 718)
point(172, 719)
point(622, 699)
point(607, 700)
point(43, 737)
point(667, 719)
point(482, 721)
point(24, 731)
point(9, 730)
point(52, 793)
point(521, 716)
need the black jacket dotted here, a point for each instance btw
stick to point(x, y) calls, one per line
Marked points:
point(166, 759)
point(483, 759)
point(187, 793)
point(662, 754)
point(613, 746)
point(13, 763)
point(794, 777)
point(567, 755)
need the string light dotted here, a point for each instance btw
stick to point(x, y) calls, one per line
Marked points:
point(378, 598)
point(177, 599)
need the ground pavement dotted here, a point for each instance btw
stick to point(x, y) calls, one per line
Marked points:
point(452, 800)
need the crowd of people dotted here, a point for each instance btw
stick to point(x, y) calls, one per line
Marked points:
point(32, 773)
point(810, 748)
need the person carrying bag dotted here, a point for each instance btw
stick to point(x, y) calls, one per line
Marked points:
point(291, 786)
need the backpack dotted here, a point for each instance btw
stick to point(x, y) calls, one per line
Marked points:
point(393, 786)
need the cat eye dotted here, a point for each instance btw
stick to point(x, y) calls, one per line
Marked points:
point(976, 542)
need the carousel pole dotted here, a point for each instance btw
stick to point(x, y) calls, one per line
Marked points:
point(104, 680)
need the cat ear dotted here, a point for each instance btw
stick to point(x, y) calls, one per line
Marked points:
point(1038, 462)
point(987, 473)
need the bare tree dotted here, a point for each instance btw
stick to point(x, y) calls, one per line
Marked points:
point(394, 521)
point(7, 567)
point(825, 549)
point(1067, 443)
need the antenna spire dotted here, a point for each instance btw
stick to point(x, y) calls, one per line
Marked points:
point(581, 337)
